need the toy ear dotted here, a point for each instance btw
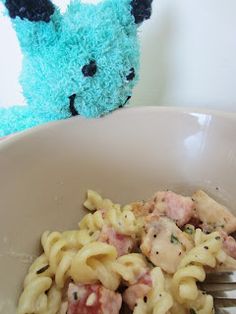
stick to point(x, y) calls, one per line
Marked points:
point(141, 10)
point(32, 10)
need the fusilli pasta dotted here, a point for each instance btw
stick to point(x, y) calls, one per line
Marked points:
point(104, 254)
point(38, 281)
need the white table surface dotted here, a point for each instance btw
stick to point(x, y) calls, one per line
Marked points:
point(188, 56)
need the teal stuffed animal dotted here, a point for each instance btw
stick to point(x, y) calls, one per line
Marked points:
point(83, 62)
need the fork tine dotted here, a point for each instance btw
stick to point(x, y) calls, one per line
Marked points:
point(227, 295)
point(223, 277)
point(225, 310)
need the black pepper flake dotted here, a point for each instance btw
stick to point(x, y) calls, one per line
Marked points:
point(160, 295)
point(157, 252)
point(125, 216)
point(217, 188)
point(192, 311)
point(154, 236)
point(135, 304)
point(145, 299)
point(206, 247)
point(180, 253)
point(75, 295)
point(217, 238)
point(42, 270)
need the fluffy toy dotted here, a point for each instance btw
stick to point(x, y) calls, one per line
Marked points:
point(83, 62)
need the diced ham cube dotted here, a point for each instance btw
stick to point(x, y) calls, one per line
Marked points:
point(137, 291)
point(124, 244)
point(146, 279)
point(229, 244)
point(92, 299)
point(164, 243)
point(213, 215)
point(177, 207)
point(134, 293)
point(110, 301)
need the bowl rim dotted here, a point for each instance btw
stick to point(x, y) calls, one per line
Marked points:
point(229, 115)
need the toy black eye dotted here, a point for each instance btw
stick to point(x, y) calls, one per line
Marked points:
point(89, 69)
point(131, 75)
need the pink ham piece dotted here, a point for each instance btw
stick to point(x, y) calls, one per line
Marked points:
point(137, 291)
point(229, 244)
point(177, 207)
point(124, 244)
point(92, 299)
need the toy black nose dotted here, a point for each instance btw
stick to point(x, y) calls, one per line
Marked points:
point(131, 75)
point(89, 69)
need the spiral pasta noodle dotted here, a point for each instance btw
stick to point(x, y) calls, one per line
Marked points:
point(38, 281)
point(54, 246)
point(191, 268)
point(92, 222)
point(123, 222)
point(98, 261)
point(94, 201)
point(76, 239)
point(158, 300)
point(130, 267)
point(93, 263)
point(103, 254)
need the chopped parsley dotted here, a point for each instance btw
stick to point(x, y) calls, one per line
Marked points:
point(42, 270)
point(188, 230)
point(174, 239)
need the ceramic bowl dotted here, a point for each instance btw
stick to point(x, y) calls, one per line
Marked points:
point(126, 156)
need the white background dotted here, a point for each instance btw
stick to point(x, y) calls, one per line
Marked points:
point(188, 56)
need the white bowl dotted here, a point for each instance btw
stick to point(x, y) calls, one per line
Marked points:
point(128, 155)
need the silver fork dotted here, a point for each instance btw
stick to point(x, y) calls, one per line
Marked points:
point(222, 286)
